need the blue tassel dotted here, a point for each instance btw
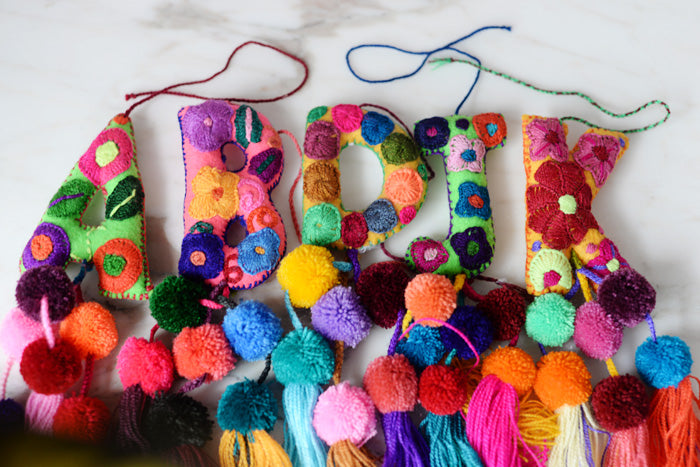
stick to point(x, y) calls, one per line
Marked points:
point(304, 447)
point(448, 442)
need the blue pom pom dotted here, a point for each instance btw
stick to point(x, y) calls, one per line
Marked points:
point(303, 357)
point(11, 416)
point(474, 324)
point(663, 363)
point(247, 406)
point(422, 347)
point(252, 329)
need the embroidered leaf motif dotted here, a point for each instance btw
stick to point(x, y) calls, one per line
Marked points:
point(71, 199)
point(126, 200)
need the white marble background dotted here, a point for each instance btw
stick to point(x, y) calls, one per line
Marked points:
point(65, 67)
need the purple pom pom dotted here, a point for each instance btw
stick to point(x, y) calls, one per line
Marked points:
point(338, 315)
point(627, 296)
point(49, 281)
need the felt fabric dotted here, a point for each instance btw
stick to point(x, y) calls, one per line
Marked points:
point(117, 245)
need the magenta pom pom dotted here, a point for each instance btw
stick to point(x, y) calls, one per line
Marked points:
point(345, 412)
point(17, 331)
point(596, 333)
point(149, 364)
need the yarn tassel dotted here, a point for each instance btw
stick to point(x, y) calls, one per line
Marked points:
point(629, 447)
point(301, 442)
point(573, 446)
point(187, 455)
point(448, 443)
point(538, 427)
point(346, 454)
point(129, 437)
point(40, 411)
point(405, 445)
point(257, 449)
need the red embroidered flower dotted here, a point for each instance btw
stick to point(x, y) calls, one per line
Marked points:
point(547, 138)
point(608, 260)
point(597, 154)
point(559, 207)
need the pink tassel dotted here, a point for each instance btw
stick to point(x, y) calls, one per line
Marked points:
point(629, 447)
point(40, 411)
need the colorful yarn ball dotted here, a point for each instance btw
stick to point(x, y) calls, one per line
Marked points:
point(201, 351)
point(443, 390)
point(303, 357)
point(252, 329)
point(339, 316)
point(148, 364)
point(49, 370)
point(307, 273)
point(627, 296)
point(596, 333)
point(513, 366)
point(392, 384)
point(175, 303)
point(550, 319)
point(663, 363)
point(11, 416)
point(620, 402)
point(82, 418)
point(506, 309)
point(91, 329)
point(344, 412)
point(562, 378)
point(474, 324)
point(171, 420)
point(51, 282)
point(431, 296)
point(17, 331)
point(381, 288)
point(246, 407)
point(422, 346)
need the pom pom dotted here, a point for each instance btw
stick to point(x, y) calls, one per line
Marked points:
point(82, 418)
point(381, 288)
point(303, 357)
point(17, 331)
point(49, 281)
point(174, 419)
point(431, 296)
point(474, 324)
point(513, 366)
point(422, 347)
point(627, 296)
point(339, 316)
point(596, 333)
point(663, 363)
point(443, 390)
point(562, 378)
point(252, 329)
point(203, 350)
point(620, 402)
point(344, 412)
point(550, 319)
point(392, 384)
point(506, 309)
point(307, 273)
point(91, 329)
point(11, 416)
point(148, 364)
point(50, 370)
point(246, 407)
point(175, 303)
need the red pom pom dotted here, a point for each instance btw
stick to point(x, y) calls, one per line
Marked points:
point(443, 390)
point(392, 384)
point(148, 364)
point(620, 402)
point(506, 309)
point(82, 418)
point(50, 370)
point(203, 350)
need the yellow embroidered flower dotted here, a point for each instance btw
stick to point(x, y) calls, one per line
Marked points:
point(215, 193)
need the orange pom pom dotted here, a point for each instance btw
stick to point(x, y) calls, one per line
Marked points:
point(91, 330)
point(513, 366)
point(203, 350)
point(562, 378)
point(431, 296)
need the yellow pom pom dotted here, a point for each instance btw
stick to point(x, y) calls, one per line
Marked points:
point(513, 366)
point(307, 273)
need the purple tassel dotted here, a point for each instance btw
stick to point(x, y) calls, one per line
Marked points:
point(405, 444)
point(129, 436)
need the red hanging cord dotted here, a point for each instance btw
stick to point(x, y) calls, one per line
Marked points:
point(295, 221)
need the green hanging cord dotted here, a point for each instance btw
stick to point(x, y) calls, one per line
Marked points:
point(443, 61)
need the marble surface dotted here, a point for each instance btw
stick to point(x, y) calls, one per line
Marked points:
point(65, 67)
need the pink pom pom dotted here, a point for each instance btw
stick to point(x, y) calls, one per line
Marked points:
point(203, 350)
point(345, 412)
point(149, 364)
point(17, 331)
point(596, 333)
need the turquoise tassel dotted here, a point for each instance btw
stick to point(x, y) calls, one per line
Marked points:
point(448, 442)
point(304, 447)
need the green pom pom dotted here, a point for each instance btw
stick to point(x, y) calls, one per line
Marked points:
point(247, 406)
point(550, 319)
point(303, 357)
point(175, 303)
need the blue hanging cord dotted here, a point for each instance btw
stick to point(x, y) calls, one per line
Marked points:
point(426, 54)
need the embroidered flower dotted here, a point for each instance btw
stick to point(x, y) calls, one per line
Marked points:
point(473, 201)
point(353, 230)
point(559, 207)
point(376, 127)
point(547, 138)
point(207, 125)
point(321, 225)
point(109, 155)
point(259, 251)
point(232, 272)
point(202, 256)
point(428, 255)
point(432, 133)
point(473, 248)
point(381, 216)
point(550, 268)
point(215, 193)
point(48, 246)
point(608, 259)
point(597, 154)
point(466, 154)
point(490, 128)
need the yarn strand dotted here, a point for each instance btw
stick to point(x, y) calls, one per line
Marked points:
point(292, 210)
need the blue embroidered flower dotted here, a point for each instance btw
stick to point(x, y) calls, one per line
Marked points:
point(473, 248)
point(432, 133)
point(376, 127)
point(259, 251)
point(473, 201)
point(381, 216)
point(202, 256)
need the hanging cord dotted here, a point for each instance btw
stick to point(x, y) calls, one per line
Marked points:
point(293, 211)
point(426, 55)
point(477, 64)
point(169, 89)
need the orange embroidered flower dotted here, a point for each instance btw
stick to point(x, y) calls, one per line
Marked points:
point(215, 193)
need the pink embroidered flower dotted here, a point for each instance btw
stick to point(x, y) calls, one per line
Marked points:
point(608, 260)
point(597, 154)
point(466, 154)
point(109, 155)
point(547, 138)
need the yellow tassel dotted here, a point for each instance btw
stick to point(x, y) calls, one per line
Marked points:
point(346, 454)
point(408, 317)
point(612, 369)
point(537, 424)
point(258, 449)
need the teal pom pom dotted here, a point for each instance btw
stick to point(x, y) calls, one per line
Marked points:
point(175, 303)
point(252, 329)
point(422, 347)
point(303, 357)
point(247, 406)
point(663, 363)
point(550, 319)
